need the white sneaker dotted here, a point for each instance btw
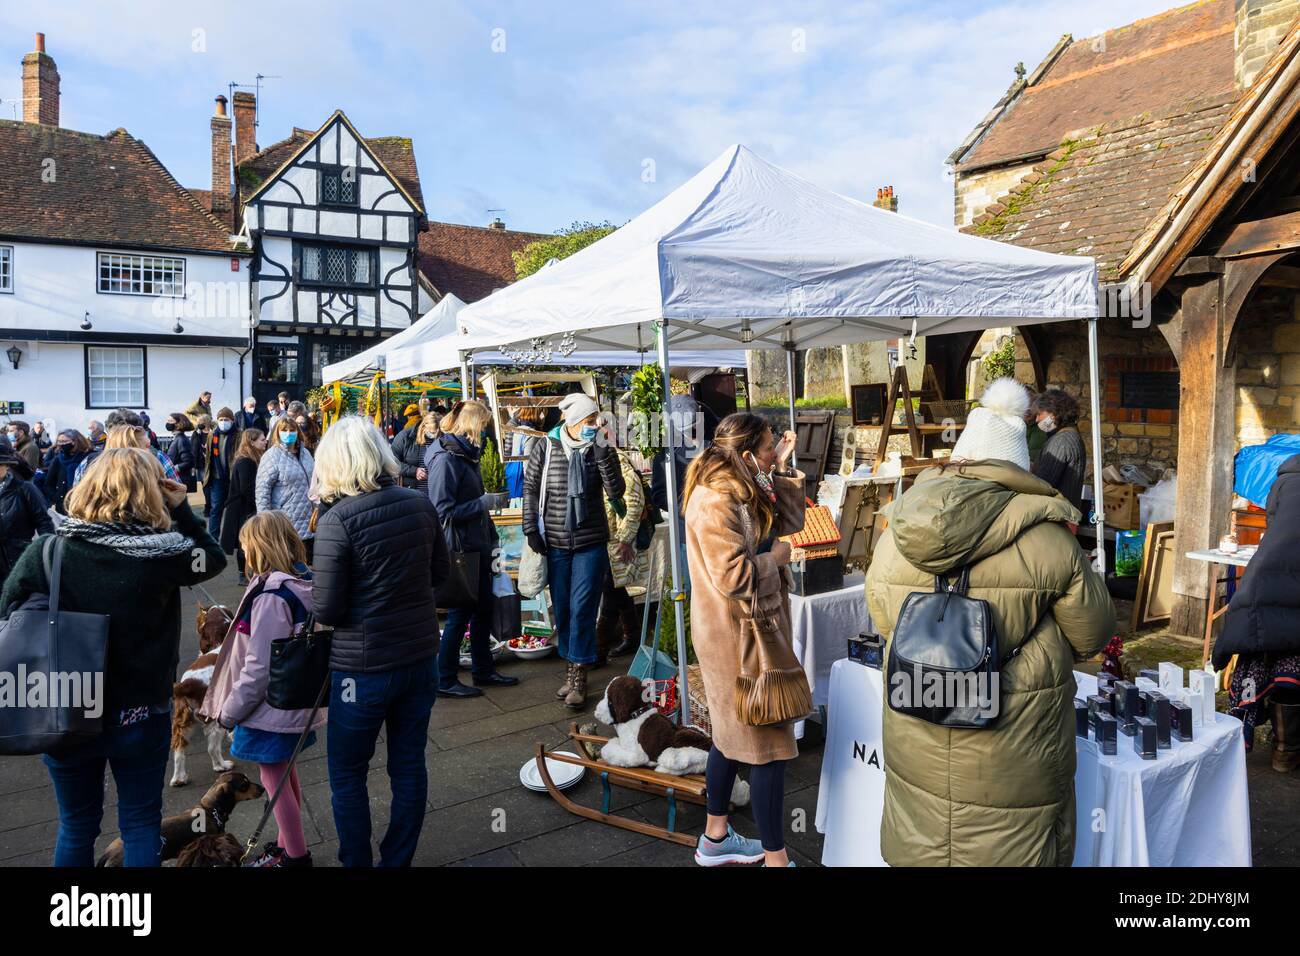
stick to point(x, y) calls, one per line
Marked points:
point(734, 849)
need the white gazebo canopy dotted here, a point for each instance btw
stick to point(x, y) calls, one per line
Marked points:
point(434, 324)
point(747, 253)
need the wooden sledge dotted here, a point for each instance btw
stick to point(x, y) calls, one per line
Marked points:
point(689, 789)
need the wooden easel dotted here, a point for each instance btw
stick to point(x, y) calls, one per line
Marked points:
point(900, 385)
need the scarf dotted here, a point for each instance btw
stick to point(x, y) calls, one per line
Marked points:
point(132, 539)
point(575, 450)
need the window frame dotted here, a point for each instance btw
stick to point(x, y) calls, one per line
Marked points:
point(336, 169)
point(99, 276)
point(302, 246)
point(7, 253)
point(144, 374)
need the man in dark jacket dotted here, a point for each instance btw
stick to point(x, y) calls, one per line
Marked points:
point(218, 458)
point(568, 476)
point(23, 512)
point(410, 455)
point(1262, 625)
point(379, 560)
point(250, 417)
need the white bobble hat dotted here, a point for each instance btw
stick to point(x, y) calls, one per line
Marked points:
point(577, 407)
point(996, 429)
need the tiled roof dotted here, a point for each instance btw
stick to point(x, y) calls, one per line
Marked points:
point(395, 152)
point(470, 261)
point(1094, 195)
point(110, 190)
point(1180, 55)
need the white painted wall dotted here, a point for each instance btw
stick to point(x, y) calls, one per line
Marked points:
point(55, 285)
point(50, 381)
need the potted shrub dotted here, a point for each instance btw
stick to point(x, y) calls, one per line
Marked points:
point(493, 472)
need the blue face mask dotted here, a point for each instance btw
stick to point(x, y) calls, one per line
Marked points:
point(289, 437)
point(588, 432)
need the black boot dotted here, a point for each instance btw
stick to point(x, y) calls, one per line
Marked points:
point(630, 622)
point(606, 629)
point(1286, 736)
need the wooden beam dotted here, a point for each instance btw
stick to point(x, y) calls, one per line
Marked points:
point(1200, 265)
point(1275, 234)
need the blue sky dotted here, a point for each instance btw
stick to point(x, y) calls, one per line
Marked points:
point(563, 111)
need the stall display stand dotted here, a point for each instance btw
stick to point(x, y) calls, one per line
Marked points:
point(1215, 559)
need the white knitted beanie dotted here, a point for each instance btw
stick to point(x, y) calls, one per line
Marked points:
point(577, 407)
point(996, 429)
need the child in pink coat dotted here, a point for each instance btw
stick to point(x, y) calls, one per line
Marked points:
point(278, 598)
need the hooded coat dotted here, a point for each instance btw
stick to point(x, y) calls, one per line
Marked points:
point(1264, 616)
point(1002, 796)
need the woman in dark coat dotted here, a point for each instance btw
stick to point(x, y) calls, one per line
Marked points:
point(380, 559)
point(181, 450)
point(241, 501)
point(1262, 626)
point(411, 447)
point(571, 530)
point(23, 512)
point(68, 452)
point(1063, 460)
point(131, 543)
point(456, 491)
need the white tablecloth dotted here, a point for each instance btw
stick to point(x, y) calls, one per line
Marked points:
point(823, 625)
point(1188, 807)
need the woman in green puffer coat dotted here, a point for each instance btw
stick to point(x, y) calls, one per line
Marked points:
point(1002, 796)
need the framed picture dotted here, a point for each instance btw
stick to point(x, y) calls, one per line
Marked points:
point(868, 403)
point(1154, 599)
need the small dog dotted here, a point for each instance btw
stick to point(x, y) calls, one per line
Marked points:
point(189, 691)
point(212, 849)
point(208, 818)
point(645, 737)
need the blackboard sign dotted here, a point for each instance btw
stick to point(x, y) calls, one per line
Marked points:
point(869, 404)
point(1149, 390)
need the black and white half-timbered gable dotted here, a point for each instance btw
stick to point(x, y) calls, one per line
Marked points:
point(334, 230)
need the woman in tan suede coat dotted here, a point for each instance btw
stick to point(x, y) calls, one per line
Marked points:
point(1002, 796)
point(740, 495)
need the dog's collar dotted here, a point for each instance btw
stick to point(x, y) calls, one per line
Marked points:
point(218, 817)
point(645, 708)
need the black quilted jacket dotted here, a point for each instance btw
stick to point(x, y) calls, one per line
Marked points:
point(604, 478)
point(379, 558)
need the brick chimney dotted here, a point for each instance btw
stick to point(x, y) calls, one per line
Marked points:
point(221, 160)
point(40, 86)
point(885, 199)
point(245, 125)
point(1261, 25)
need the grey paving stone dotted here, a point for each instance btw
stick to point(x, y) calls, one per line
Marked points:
point(582, 844)
point(492, 858)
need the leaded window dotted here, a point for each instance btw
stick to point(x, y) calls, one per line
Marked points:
point(338, 186)
point(336, 266)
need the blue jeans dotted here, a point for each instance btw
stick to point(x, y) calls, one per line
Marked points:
point(577, 579)
point(137, 755)
point(479, 620)
point(399, 702)
point(216, 506)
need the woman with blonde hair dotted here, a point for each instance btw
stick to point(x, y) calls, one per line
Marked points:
point(380, 559)
point(241, 500)
point(284, 477)
point(456, 492)
point(740, 496)
point(274, 605)
point(410, 447)
point(129, 545)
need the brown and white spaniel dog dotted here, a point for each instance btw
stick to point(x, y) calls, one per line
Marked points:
point(645, 737)
point(189, 691)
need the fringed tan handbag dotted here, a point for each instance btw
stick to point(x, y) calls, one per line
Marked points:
point(771, 689)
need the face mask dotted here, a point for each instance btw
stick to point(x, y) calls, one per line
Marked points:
point(761, 478)
point(289, 438)
point(13, 436)
point(65, 449)
point(225, 424)
point(169, 426)
point(588, 432)
point(1048, 424)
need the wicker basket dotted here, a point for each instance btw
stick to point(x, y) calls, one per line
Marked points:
point(939, 412)
point(699, 702)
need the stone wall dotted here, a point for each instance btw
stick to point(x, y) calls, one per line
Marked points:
point(1261, 25)
point(1267, 367)
point(974, 192)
